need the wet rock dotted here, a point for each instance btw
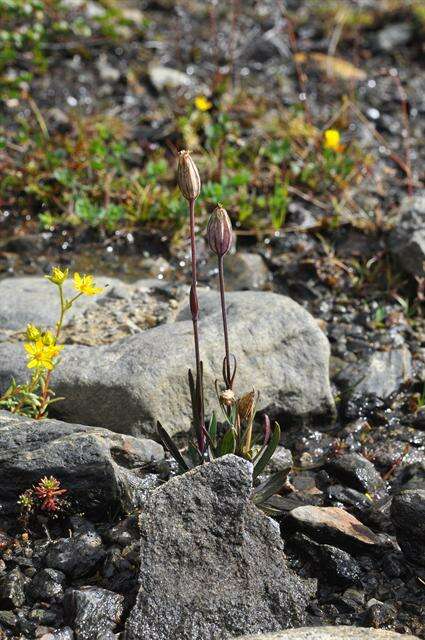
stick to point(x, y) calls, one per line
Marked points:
point(407, 239)
point(246, 271)
point(332, 525)
point(213, 565)
point(393, 36)
point(87, 461)
point(331, 633)
point(92, 612)
point(129, 385)
point(332, 564)
point(379, 376)
point(59, 634)
point(76, 556)
point(12, 594)
point(412, 476)
point(356, 472)
point(46, 585)
point(379, 614)
point(168, 78)
point(408, 516)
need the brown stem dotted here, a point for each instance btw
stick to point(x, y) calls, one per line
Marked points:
point(194, 310)
point(224, 314)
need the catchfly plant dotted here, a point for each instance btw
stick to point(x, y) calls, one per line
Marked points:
point(236, 430)
point(43, 348)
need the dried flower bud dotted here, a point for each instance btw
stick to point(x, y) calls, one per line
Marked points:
point(219, 231)
point(227, 397)
point(188, 176)
point(246, 406)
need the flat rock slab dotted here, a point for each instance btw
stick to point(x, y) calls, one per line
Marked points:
point(212, 565)
point(95, 464)
point(128, 385)
point(332, 525)
point(332, 633)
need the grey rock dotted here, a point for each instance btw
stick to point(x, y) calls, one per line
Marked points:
point(168, 78)
point(12, 594)
point(356, 472)
point(332, 633)
point(107, 72)
point(408, 516)
point(93, 612)
point(76, 556)
point(332, 525)
point(33, 299)
point(65, 633)
point(87, 461)
point(282, 460)
point(46, 585)
point(407, 239)
point(393, 36)
point(246, 271)
point(332, 564)
point(128, 385)
point(213, 566)
point(380, 375)
point(8, 619)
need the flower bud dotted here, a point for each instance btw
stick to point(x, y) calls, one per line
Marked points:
point(219, 231)
point(57, 275)
point(33, 334)
point(188, 176)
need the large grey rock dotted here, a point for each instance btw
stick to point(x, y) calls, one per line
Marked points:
point(128, 385)
point(36, 300)
point(407, 239)
point(332, 633)
point(408, 516)
point(92, 462)
point(213, 566)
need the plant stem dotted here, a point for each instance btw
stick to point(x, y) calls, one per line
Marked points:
point(224, 315)
point(201, 434)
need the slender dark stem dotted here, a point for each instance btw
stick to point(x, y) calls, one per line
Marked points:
point(201, 434)
point(224, 314)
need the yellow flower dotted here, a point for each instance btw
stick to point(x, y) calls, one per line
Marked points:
point(202, 103)
point(40, 355)
point(332, 140)
point(85, 284)
point(33, 333)
point(57, 275)
point(48, 339)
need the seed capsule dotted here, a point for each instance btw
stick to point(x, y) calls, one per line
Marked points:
point(188, 176)
point(227, 397)
point(219, 231)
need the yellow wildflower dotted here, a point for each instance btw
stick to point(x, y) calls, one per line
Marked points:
point(85, 284)
point(332, 140)
point(202, 103)
point(48, 339)
point(33, 333)
point(57, 275)
point(40, 355)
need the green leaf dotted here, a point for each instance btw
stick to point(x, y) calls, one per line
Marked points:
point(272, 485)
point(228, 443)
point(171, 447)
point(212, 429)
point(264, 458)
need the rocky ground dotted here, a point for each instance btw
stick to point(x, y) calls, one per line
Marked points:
point(326, 320)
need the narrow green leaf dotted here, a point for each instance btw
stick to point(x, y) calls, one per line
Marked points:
point(268, 451)
point(171, 447)
point(269, 487)
point(228, 443)
point(212, 430)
